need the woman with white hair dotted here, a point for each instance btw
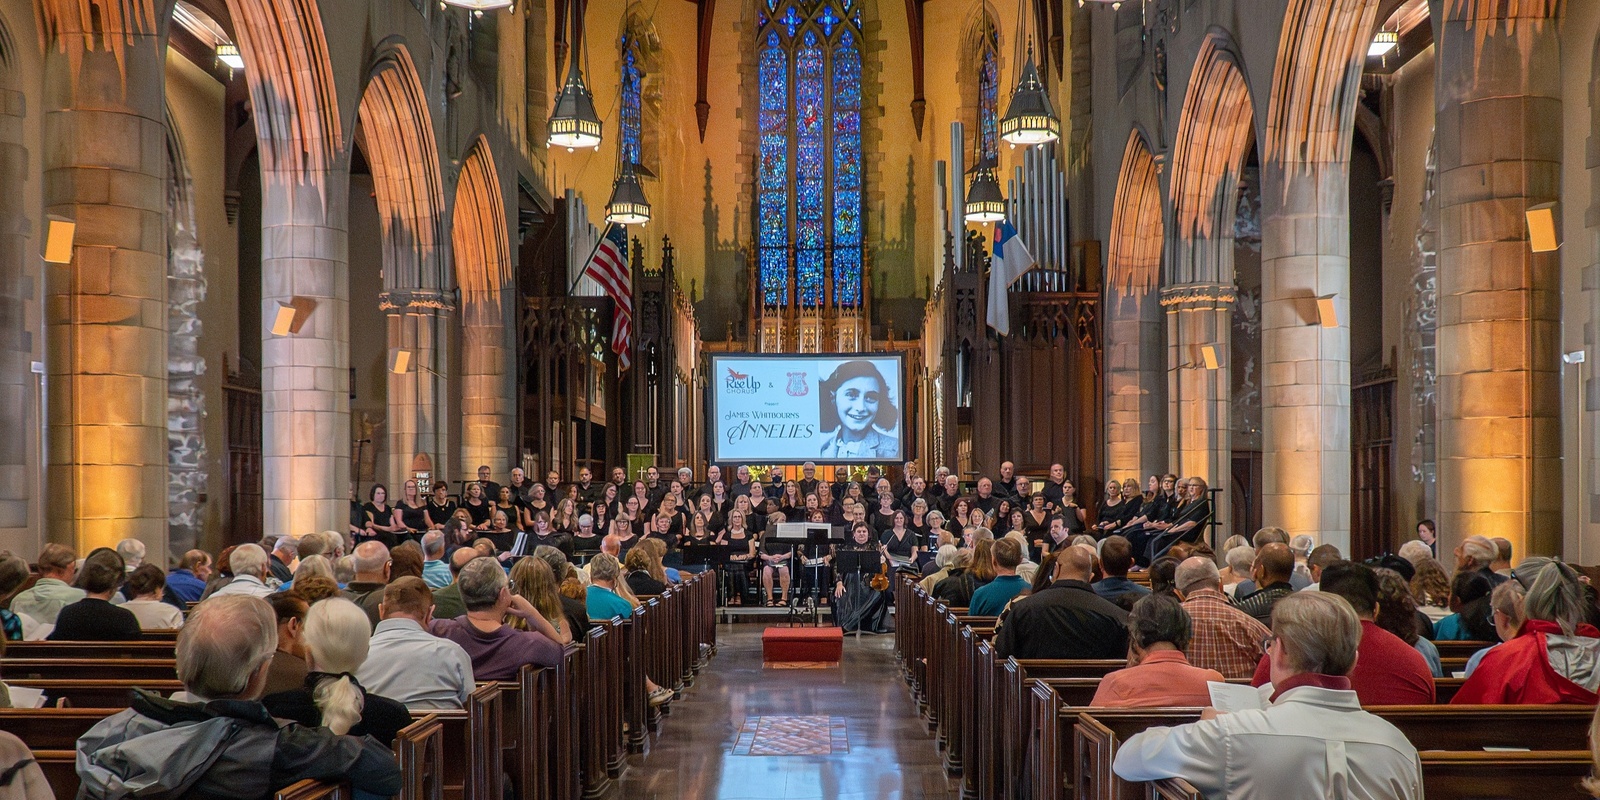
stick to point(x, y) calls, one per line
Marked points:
point(945, 558)
point(337, 636)
point(1240, 559)
point(1555, 656)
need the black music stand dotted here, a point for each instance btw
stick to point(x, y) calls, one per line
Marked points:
point(863, 563)
point(711, 557)
point(818, 535)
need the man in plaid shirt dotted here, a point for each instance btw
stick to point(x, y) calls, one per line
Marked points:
point(1225, 639)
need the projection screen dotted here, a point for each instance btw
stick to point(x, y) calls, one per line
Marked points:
point(788, 409)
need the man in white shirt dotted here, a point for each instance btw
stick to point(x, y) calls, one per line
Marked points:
point(248, 563)
point(58, 566)
point(1312, 735)
point(408, 664)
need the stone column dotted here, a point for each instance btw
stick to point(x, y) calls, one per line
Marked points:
point(1136, 435)
point(419, 322)
point(488, 403)
point(1199, 400)
point(106, 313)
point(305, 377)
point(1305, 376)
point(1499, 147)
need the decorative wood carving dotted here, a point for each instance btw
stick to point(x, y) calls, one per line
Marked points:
point(703, 16)
point(919, 102)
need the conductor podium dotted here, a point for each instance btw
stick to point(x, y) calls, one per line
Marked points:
point(802, 645)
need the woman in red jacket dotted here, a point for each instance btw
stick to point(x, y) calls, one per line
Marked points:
point(1554, 658)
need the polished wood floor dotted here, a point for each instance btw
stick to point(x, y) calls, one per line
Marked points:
point(861, 707)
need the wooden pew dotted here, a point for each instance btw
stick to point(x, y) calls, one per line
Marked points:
point(314, 790)
point(132, 669)
point(1459, 775)
point(94, 693)
point(419, 750)
point(144, 649)
point(1461, 650)
point(1099, 732)
point(60, 770)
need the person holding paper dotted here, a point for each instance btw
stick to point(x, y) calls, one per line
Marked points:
point(1310, 737)
point(1158, 675)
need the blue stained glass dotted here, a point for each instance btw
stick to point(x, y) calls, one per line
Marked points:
point(828, 20)
point(632, 82)
point(773, 202)
point(791, 20)
point(810, 188)
point(809, 176)
point(989, 100)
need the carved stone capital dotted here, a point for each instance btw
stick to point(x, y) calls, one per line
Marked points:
point(414, 300)
point(1198, 296)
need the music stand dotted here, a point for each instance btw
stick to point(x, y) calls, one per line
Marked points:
point(863, 563)
point(792, 534)
point(818, 535)
point(708, 556)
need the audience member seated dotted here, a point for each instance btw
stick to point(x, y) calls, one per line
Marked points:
point(1157, 673)
point(602, 599)
point(1300, 578)
point(1388, 672)
point(1318, 560)
point(231, 745)
point(1116, 558)
point(1430, 589)
point(288, 669)
point(145, 586)
point(1239, 559)
point(1273, 567)
point(498, 651)
point(574, 608)
point(1066, 619)
point(285, 551)
point(1477, 554)
point(13, 574)
point(991, 598)
point(957, 587)
point(338, 638)
point(1501, 565)
point(20, 776)
point(188, 579)
point(1470, 619)
point(532, 580)
point(248, 563)
point(94, 618)
point(1223, 638)
point(373, 565)
point(639, 578)
point(943, 560)
point(1313, 740)
point(58, 566)
point(1397, 614)
point(435, 571)
point(1506, 600)
point(1555, 655)
point(447, 601)
point(405, 662)
point(315, 588)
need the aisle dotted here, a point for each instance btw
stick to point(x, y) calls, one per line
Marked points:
point(860, 714)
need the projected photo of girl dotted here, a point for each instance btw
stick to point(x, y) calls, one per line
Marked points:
point(858, 413)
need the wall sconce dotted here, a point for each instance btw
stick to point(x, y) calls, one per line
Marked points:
point(1543, 235)
point(59, 234)
point(1205, 357)
point(1327, 313)
point(292, 316)
point(400, 361)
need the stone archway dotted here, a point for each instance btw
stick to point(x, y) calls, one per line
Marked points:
point(396, 134)
point(1214, 137)
point(1136, 438)
point(482, 248)
point(1305, 159)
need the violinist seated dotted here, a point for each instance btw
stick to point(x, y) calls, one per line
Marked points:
point(860, 592)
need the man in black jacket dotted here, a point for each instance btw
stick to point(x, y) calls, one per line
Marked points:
point(1065, 619)
point(225, 746)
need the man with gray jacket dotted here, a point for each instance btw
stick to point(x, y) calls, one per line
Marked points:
point(225, 746)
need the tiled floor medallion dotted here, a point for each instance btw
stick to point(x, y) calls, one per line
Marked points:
point(792, 736)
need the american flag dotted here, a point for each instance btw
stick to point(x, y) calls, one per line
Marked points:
point(608, 265)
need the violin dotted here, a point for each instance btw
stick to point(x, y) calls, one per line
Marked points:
point(880, 579)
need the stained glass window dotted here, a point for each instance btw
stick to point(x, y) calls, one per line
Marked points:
point(632, 105)
point(808, 205)
point(989, 97)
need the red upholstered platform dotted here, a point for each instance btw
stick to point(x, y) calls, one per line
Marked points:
point(802, 644)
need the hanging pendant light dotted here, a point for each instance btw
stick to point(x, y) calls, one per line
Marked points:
point(984, 201)
point(1030, 119)
point(477, 7)
point(628, 205)
point(228, 53)
point(573, 123)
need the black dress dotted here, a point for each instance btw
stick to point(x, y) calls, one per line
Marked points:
point(861, 607)
point(440, 514)
point(379, 516)
point(900, 547)
point(479, 513)
point(414, 518)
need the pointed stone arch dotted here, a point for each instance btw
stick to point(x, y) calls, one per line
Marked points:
point(1215, 132)
point(1136, 440)
point(395, 132)
point(1305, 160)
point(482, 248)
